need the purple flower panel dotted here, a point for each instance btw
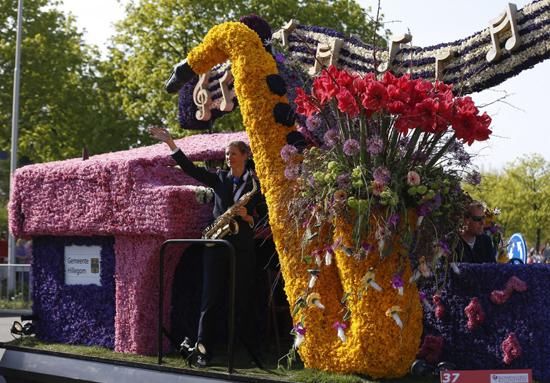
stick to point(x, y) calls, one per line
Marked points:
point(523, 313)
point(73, 314)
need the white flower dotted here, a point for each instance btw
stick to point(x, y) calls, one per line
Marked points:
point(393, 312)
point(397, 320)
point(298, 340)
point(341, 334)
point(328, 258)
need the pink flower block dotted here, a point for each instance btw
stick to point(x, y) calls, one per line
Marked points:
point(499, 297)
point(431, 349)
point(516, 284)
point(511, 349)
point(138, 191)
point(439, 307)
point(475, 314)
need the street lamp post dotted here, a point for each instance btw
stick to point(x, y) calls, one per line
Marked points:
point(15, 135)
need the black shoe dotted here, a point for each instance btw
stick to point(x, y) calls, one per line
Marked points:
point(185, 348)
point(181, 74)
point(202, 361)
point(444, 366)
point(421, 368)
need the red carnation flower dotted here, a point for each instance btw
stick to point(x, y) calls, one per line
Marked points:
point(304, 103)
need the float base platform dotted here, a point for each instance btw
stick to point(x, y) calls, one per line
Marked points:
point(25, 365)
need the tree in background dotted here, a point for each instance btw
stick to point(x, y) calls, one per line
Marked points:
point(68, 97)
point(156, 34)
point(522, 193)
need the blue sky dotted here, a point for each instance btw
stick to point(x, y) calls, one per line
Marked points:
point(519, 126)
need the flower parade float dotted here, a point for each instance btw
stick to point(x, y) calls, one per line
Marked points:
point(354, 190)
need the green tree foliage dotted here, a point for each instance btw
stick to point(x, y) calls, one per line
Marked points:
point(522, 193)
point(68, 97)
point(156, 34)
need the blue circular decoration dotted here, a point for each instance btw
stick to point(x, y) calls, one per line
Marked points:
point(517, 248)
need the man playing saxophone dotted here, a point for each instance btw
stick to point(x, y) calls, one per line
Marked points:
point(232, 188)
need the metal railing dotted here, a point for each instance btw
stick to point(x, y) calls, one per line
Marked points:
point(15, 295)
point(231, 314)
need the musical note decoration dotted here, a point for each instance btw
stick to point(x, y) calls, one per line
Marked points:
point(464, 63)
point(505, 22)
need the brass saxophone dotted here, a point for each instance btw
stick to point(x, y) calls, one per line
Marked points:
point(226, 223)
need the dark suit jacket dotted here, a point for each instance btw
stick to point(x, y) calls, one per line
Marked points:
point(483, 251)
point(222, 184)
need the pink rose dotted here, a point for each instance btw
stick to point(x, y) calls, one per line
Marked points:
point(413, 178)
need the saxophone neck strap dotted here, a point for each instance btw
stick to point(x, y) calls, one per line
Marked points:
point(238, 190)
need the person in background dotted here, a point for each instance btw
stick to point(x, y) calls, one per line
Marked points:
point(229, 186)
point(531, 256)
point(546, 253)
point(474, 246)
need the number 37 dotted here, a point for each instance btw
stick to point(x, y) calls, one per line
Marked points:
point(450, 377)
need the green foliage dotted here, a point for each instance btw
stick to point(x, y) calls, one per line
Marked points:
point(521, 192)
point(156, 34)
point(68, 97)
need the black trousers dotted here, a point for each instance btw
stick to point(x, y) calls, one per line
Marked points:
point(215, 290)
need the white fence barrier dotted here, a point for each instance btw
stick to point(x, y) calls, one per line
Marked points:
point(22, 290)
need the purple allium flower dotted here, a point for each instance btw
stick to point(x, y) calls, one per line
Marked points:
point(366, 246)
point(375, 145)
point(397, 281)
point(460, 155)
point(382, 175)
point(287, 152)
point(280, 58)
point(493, 229)
point(313, 123)
point(423, 209)
point(436, 201)
point(403, 142)
point(445, 247)
point(331, 137)
point(343, 180)
point(292, 172)
point(393, 220)
point(351, 147)
point(474, 178)
point(419, 156)
point(299, 329)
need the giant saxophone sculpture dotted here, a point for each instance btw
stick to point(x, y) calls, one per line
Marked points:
point(374, 345)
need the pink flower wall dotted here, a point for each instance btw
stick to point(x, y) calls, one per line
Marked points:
point(139, 191)
point(138, 196)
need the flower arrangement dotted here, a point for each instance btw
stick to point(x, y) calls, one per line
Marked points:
point(385, 148)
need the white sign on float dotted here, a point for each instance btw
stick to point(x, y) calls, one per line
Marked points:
point(82, 265)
